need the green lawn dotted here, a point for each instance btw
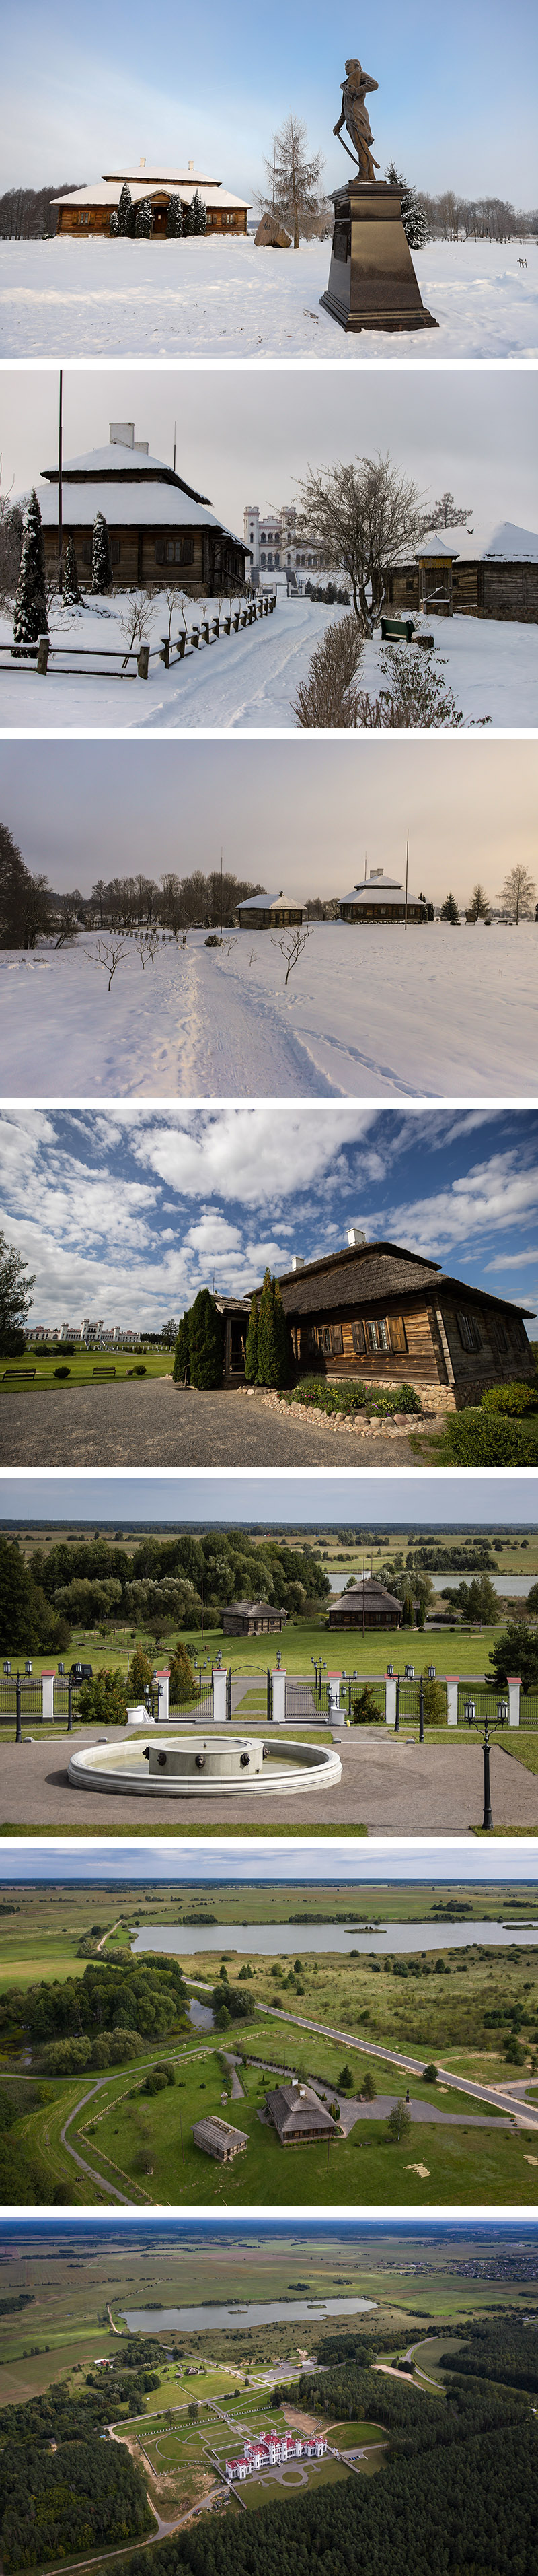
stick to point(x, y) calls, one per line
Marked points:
point(346, 2435)
point(83, 1369)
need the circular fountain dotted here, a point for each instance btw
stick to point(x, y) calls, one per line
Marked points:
point(206, 1766)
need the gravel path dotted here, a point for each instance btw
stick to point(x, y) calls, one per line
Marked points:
point(157, 1424)
point(389, 1785)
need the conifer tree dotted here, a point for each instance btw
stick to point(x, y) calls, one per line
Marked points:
point(72, 592)
point(181, 1684)
point(479, 907)
point(199, 213)
point(413, 216)
point(450, 910)
point(182, 1353)
point(206, 1341)
point(30, 617)
point(251, 1350)
point(283, 1356)
point(114, 225)
point(101, 556)
point(140, 1677)
point(126, 214)
point(267, 1370)
point(174, 219)
point(189, 225)
point(144, 220)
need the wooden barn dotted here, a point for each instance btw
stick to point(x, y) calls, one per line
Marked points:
point(383, 898)
point(471, 572)
point(366, 1605)
point(217, 2138)
point(270, 912)
point(88, 210)
point(159, 527)
point(253, 1619)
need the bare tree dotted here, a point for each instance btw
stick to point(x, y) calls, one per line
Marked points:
point(327, 696)
point(69, 922)
point(291, 946)
point(107, 953)
point(135, 619)
point(361, 516)
point(518, 894)
point(293, 178)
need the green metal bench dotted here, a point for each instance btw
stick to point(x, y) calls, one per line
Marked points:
point(397, 630)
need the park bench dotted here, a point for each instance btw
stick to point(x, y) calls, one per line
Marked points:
point(395, 630)
point(104, 1372)
point(17, 1377)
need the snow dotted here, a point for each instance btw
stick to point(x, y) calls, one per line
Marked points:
point(503, 543)
point(248, 681)
point(219, 298)
point(367, 1013)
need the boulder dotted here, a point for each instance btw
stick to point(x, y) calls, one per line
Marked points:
point(271, 235)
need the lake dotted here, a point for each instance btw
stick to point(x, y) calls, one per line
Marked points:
point(255, 2313)
point(290, 1940)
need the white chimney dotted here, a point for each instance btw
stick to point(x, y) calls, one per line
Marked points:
point(297, 1261)
point(142, 160)
point(191, 165)
point(121, 433)
point(354, 1236)
point(141, 446)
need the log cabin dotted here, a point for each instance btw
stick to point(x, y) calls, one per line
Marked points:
point(253, 1619)
point(377, 1311)
point(366, 1605)
point(270, 912)
point(298, 2116)
point(470, 572)
point(160, 528)
point(86, 211)
point(383, 898)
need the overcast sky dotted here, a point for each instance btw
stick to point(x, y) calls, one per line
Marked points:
point(471, 1500)
point(125, 1212)
point(83, 810)
point(456, 106)
point(473, 431)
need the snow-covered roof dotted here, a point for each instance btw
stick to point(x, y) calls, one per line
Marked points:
point(121, 459)
point(502, 542)
point(183, 183)
point(379, 890)
point(154, 505)
point(271, 903)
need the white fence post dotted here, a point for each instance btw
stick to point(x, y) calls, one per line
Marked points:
point(390, 1699)
point(279, 1696)
point(162, 1679)
point(218, 1687)
point(452, 1680)
point(514, 1695)
point(47, 1693)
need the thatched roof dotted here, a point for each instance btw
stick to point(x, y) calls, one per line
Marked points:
point(296, 2110)
point(360, 1595)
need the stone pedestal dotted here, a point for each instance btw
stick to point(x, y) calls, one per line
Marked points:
point(372, 284)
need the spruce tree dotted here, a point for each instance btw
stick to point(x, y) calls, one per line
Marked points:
point(251, 1350)
point(283, 1350)
point(206, 1341)
point(126, 214)
point(267, 1370)
point(71, 588)
point(450, 910)
point(140, 1676)
point(478, 909)
point(189, 225)
point(182, 1353)
point(144, 220)
point(114, 225)
point(174, 219)
point(101, 556)
point(30, 617)
point(413, 216)
point(182, 1683)
point(199, 213)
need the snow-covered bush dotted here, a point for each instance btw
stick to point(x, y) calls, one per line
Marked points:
point(174, 219)
point(30, 618)
point(144, 220)
point(101, 556)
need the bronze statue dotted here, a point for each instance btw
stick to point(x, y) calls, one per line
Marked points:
point(354, 114)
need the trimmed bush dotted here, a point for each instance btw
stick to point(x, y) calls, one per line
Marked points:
point(355, 1397)
point(365, 1710)
point(519, 1397)
point(104, 1700)
point(206, 1341)
point(182, 1683)
point(479, 1439)
point(182, 1353)
point(434, 1704)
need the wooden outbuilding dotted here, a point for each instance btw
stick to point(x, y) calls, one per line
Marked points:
point(159, 527)
point(298, 2116)
point(88, 210)
point(270, 912)
point(218, 2139)
point(376, 1310)
point(471, 572)
point(366, 1605)
point(253, 1619)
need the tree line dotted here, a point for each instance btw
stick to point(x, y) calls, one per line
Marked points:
point(85, 2494)
point(126, 1997)
point(31, 910)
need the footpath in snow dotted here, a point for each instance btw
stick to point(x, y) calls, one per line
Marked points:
point(248, 682)
point(367, 1013)
point(225, 299)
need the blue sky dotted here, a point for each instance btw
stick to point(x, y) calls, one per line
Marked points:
point(125, 1212)
point(469, 1500)
point(381, 1861)
point(456, 106)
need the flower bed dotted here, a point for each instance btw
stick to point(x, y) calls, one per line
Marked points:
point(354, 1397)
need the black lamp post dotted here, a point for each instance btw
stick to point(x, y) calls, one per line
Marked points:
point(397, 1717)
point(488, 1726)
point(70, 1706)
point(18, 1730)
point(421, 1712)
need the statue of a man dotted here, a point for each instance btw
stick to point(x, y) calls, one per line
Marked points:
point(354, 114)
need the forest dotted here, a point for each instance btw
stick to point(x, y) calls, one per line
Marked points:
point(88, 1580)
point(115, 2000)
point(455, 2496)
point(506, 2353)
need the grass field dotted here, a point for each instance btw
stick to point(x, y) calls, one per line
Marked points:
point(82, 1369)
point(515, 1549)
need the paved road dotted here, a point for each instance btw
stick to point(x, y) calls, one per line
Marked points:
point(500, 2097)
point(152, 1423)
point(390, 1785)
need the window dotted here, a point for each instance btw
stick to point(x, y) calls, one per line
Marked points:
point(377, 1335)
point(337, 1339)
point(357, 1336)
point(326, 1336)
point(469, 1332)
point(174, 550)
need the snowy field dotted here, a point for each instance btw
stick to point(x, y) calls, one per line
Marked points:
point(225, 299)
point(248, 681)
point(367, 1013)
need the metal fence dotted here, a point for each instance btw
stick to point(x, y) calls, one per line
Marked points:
point(528, 1708)
point(201, 1707)
point(30, 1693)
point(299, 1700)
point(484, 1698)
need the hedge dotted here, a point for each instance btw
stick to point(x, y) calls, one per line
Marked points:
point(476, 1438)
